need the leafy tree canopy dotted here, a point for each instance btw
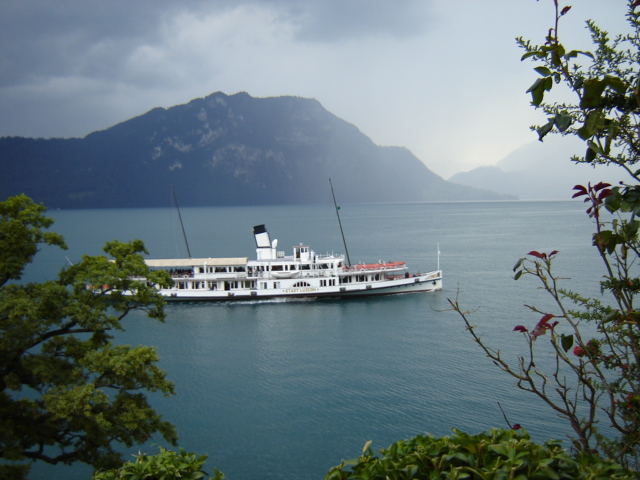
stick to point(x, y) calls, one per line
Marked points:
point(67, 393)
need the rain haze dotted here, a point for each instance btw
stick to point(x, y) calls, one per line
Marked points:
point(442, 78)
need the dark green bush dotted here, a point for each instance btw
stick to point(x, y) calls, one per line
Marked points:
point(165, 465)
point(496, 454)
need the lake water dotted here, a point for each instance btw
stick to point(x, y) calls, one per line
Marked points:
point(287, 390)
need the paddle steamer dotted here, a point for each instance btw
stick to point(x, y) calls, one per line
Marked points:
point(304, 274)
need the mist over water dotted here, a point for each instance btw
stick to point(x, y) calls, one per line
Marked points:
point(285, 390)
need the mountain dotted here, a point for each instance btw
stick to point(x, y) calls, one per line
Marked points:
point(538, 171)
point(221, 150)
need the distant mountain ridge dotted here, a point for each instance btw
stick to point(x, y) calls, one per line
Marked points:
point(221, 150)
point(539, 171)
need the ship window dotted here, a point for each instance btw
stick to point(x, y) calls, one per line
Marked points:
point(276, 268)
point(221, 269)
point(301, 284)
point(305, 267)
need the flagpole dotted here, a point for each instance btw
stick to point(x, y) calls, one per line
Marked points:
point(344, 242)
point(438, 247)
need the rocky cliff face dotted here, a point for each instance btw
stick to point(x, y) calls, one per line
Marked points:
point(221, 150)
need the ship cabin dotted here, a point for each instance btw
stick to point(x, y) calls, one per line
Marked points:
point(205, 273)
point(271, 270)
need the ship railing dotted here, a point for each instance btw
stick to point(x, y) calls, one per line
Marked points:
point(432, 275)
point(295, 274)
point(179, 273)
point(219, 275)
point(316, 273)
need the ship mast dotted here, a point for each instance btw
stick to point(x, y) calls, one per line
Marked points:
point(344, 242)
point(184, 234)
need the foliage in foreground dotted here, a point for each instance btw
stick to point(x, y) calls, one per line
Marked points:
point(592, 377)
point(67, 393)
point(496, 454)
point(166, 465)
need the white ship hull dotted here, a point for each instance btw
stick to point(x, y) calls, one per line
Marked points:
point(423, 283)
point(273, 275)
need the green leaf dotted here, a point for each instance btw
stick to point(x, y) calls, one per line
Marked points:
point(592, 90)
point(593, 124)
point(543, 130)
point(538, 88)
point(566, 341)
point(534, 53)
point(606, 240)
point(616, 84)
point(518, 263)
point(563, 121)
point(575, 53)
point(543, 71)
point(366, 448)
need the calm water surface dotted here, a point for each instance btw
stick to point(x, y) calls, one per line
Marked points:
point(286, 390)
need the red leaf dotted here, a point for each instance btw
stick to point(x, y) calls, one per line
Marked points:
point(542, 326)
point(580, 189)
point(517, 426)
point(520, 328)
point(565, 10)
point(545, 318)
point(601, 185)
point(539, 330)
point(605, 193)
point(553, 252)
point(537, 254)
point(578, 351)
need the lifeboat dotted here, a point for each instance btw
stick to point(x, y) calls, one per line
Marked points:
point(376, 266)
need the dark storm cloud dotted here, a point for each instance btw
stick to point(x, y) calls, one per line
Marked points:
point(73, 66)
point(89, 38)
point(41, 38)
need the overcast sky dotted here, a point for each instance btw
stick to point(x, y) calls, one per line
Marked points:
point(440, 77)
